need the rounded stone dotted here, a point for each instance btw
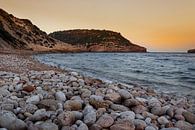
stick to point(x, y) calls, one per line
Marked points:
point(129, 115)
point(183, 125)
point(105, 121)
point(124, 94)
point(82, 126)
point(114, 97)
point(66, 118)
point(190, 117)
point(117, 107)
point(90, 118)
point(162, 120)
point(150, 128)
point(123, 125)
point(47, 126)
point(73, 105)
point(60, 96)
point(33, 100)
point(139, 124)
point(10, 121)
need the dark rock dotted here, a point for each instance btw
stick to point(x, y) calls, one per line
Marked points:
point(191, 51)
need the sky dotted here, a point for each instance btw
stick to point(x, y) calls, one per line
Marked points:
point(158, 25)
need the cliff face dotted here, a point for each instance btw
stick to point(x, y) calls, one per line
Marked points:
point(97, 41)
point(191, 51)
point(21, 34)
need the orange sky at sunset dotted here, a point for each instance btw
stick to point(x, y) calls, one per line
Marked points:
point(159, 25)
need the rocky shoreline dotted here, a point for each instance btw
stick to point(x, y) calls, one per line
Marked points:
point(34, 96)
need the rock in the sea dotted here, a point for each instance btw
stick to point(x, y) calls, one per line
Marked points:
point(47, 126)
point(139, 124)
point(128, 115)
point(191, 51)
point(60, 96)
point(162, 120)
point(123, 125)
point(11, 122)
point(105, 121)
point(183, 125)
point(33, 100)
point(190, 117)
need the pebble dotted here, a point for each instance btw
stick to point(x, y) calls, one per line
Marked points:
point(162, 120)
point(33, 100)
point(150, 128)
point(60, 96)
point(73, 105)
point(128, 115)
point(124, 94)
point(170, 129)
point(190, 117)
point(105, 121)
point(139, 124)
point(47, 126)
point(183, 125)
point(66, 118)
point(114, 97)
point(10, 121)
point(123, 125)
point(90, 118)
point(117, 107)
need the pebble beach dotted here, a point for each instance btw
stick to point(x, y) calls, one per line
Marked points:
point(34, 96)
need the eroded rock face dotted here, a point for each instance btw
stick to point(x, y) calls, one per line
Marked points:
point(21, 34)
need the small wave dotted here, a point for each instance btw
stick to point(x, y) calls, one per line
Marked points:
point(191, 69)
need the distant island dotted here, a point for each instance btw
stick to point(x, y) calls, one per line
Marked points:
point(191, 51)
point(21, 34)
point(97, 40)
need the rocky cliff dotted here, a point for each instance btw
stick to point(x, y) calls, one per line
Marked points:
point(191, 51)
point(21, 34)
point(97, 40)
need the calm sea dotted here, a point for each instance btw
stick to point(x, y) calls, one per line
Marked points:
point(166, 72)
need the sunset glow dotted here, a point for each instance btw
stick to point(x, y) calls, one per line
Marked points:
point(158, 25)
